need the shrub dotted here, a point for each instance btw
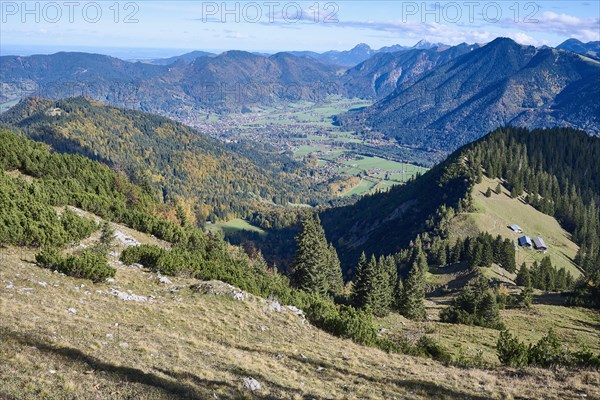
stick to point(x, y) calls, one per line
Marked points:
point(357, 325)
point(147, 255)
point(475, 305)
point(88, 265)
point(510, 351)
point(547, 352)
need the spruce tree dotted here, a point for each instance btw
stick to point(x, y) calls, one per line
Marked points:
point(380, 291)
point(420, 258)
point(360, 282)
point(498, 189)
point(393, 291)
point(310, 263)
point(334, 269)
point(413, 298)
point(458, 250)
point(181, 216)
point(523, 277)
point(488, 192)
point(107, 237)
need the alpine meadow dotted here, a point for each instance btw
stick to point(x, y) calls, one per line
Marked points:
point(299, 200)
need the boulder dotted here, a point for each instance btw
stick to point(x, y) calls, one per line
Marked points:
point(251, 384)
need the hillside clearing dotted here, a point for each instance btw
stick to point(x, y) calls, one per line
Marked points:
point(496, 213)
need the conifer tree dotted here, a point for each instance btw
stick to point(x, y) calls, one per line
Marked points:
point(181, 216)
point(334, 276)
point(498, 189)
point(310, 262)
point(393, 291)
point(360, 282)
point(420, 258)
point(523, 277)
point(317, 267)
point(381, 294)
point(413, 298)
point(107, 237)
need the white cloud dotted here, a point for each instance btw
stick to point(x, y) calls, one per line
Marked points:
point(523, 38)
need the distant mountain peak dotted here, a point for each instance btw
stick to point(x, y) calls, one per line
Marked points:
point(589, 49)
point(425, 45)
point(362, 46)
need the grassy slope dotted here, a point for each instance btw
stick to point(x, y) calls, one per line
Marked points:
point(234, 226)
point(494, 214)
point(182, 344)
point(575, 327)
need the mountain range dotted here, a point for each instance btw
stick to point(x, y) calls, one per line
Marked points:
point(501, 83)
point(590, 49)
point(226, 82)
point(363, 52)
point(429, 96)
point(381, 74)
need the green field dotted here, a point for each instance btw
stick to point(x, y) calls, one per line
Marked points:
point(365, 186)
point(233, 226)
point(376, 162)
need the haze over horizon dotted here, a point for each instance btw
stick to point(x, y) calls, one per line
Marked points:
point(163, 29)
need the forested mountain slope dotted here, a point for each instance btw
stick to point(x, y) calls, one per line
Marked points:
point(380, 75)
point(226, 82)
point(176, 160)
point(555, 170)
point(499, 84)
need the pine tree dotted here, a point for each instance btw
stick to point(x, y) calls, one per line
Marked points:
point(394, 290)
point(181, 216)
point(380, 292)
point(487, 255)
point(413, 298)
point(310, 262)
point(361, 283)
point(488, 313)
point(523, 277)
point(498, 189)
point(458, 251)
point(420, 258)
point(334, 276)
point(525, 297)
point(107, 237)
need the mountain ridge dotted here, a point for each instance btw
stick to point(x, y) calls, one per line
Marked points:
point(483, 89)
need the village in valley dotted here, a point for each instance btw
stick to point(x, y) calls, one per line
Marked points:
point(368, 161)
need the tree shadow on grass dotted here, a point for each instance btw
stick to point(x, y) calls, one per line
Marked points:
point(171, 388)
point(179, 385)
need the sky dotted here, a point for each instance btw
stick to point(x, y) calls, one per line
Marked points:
point(145, 29)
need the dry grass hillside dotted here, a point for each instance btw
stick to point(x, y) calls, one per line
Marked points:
point(142, 338)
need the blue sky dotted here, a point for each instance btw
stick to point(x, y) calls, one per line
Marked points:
point(271, 26)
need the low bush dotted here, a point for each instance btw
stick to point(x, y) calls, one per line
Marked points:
point(88, 265)
point(547, 352)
